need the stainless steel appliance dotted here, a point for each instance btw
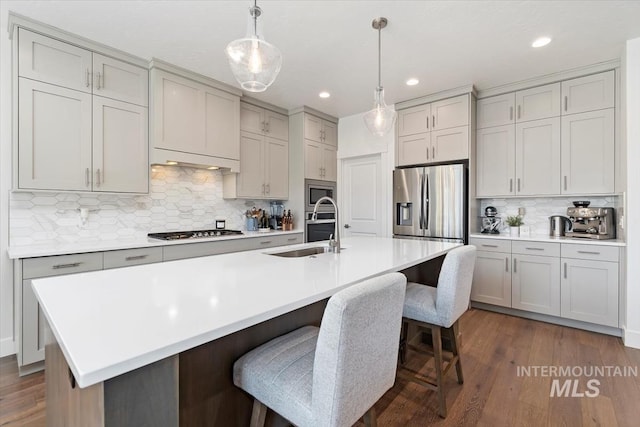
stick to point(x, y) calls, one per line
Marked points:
point(315, 190)
point(592, 223)
point(192, 234)
point(321, 228)
point(491, 221)
point(559, 225)
point(431, 202)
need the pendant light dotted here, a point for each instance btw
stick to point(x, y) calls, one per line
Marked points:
point(255, 63)
point(381, 118)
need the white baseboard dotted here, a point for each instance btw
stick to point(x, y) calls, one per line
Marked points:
point(631, 338)
point(7, 347)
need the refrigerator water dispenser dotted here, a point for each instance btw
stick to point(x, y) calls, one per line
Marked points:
point(403, 213)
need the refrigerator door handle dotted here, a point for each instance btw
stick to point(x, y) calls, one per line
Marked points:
point(421, 219)
point(426, 202)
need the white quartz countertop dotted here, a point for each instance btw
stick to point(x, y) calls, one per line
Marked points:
point(64, 248)
point(113, 321)
point(538, 238)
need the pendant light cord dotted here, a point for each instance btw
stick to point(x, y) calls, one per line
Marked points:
point(255, 18)
point(379, 59)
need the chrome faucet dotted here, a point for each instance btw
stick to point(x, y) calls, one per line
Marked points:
point(334, 244)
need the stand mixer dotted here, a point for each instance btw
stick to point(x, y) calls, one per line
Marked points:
point(491, 221)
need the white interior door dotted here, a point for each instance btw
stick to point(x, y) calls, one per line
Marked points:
point(363, 196)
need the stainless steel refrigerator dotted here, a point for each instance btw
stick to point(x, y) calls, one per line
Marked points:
point(430, 202)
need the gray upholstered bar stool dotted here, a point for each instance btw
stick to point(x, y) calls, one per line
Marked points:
point(332, 375)
point(432, 309)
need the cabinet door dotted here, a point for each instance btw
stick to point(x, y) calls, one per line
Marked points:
point(496, 111)
point(414, 149)
point(538, 103)
point(449, 113)
point(119, 80)
point(252, 118)
point(251, 181)
point(588, 153)
point(120, 147)
point(588, 93)
point(536, 284)
point(277, 125)
point(54, 142)
point(312, 128)
point(312, 160)
point(178, 113)
point(329, 133)
point(538, 157)
point(590, 291)
point(492, 279)
point(329, 163)
point(51, 61)
point(450, 144)
point(276, 169)
point(33, 325)
point(414, 120)
point(495, 161)
point(222, 124)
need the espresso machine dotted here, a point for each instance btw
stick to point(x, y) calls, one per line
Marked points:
point(591, 223)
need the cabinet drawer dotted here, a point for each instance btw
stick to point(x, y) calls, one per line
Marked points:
point(592, 252)
point(273, 241)
point(195, 250)
point(62, 264)
point(115, 259)
point(491, 245)
point(535, 248)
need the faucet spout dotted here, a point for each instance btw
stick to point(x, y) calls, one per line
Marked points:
point(335, 244)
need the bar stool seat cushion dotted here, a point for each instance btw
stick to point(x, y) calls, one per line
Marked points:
point(281, 373)
point(420, 303)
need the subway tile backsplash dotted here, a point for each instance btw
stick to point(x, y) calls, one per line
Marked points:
point(538, 210)
point(179, 199)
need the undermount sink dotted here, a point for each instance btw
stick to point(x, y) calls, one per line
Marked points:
point(299, 253)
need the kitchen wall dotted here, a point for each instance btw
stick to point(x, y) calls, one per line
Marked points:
point(538, 210)
point(179, 199)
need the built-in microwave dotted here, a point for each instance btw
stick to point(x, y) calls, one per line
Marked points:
point(314, 190)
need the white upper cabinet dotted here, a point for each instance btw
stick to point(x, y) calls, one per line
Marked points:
point(538, 103)
point(119, 80)
point(538, 157)
point(320, 148)
point(54, 142)
point(414, 120)
point(595, 92)
point(450, 144)
point(251, 181)
point(221, 124)
point(277, 125)
point(320, 130)
point(414, 149)
point(329, 133)
point(51, 61)
point(495, 161)
point(588, 152)
point(263, 122)
point(496, 111)
point(450, 112)
point(276, 169)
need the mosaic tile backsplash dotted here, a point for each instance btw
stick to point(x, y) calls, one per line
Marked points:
point(179, 199)
point(538, 210)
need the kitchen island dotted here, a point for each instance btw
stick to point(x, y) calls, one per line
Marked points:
point(155, 343)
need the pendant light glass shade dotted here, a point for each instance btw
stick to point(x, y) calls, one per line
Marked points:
point(381, 118)
point(254, 62)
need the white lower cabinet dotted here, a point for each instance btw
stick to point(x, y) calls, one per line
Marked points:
point(535, 284)
point(492, 278)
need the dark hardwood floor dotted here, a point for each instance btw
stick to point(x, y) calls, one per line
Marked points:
point(493, 394)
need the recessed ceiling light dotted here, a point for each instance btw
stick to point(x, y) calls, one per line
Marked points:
point(324, 94)
point(541, 41)
point(171, 163)
point(213, 168)
point(412, 82)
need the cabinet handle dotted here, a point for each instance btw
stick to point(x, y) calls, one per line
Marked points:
point(565, 270)
point(267, 127)
point(268, 187)
point(88, 83)
point(565, 103)
point(515, 265)
point(263, 188)
point(98, 178)
point(506, 264)
point(489, 246)
point(433, 153)
point(427, 122)
point(534, 249)
point(265, 242)
point(98, 78)
point(565, 182)
point(518, 111)
point(292, 239)
point(135, 257)
point(433, 123)
point(70, 265)
point(510, 113)
point(86, 177)
point(589, 252)
point(518, 185)
point(510, 185)
point(427, 153)
point(262, 126)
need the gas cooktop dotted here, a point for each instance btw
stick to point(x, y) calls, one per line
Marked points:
point(194, 234)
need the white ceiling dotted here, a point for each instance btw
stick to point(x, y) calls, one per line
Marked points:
point(330, 45)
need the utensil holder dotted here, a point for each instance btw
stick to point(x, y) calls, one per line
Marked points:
point(252, 224)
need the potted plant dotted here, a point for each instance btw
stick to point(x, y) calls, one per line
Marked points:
point(514, 222)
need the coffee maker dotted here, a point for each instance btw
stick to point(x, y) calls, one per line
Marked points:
point(591, 223)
